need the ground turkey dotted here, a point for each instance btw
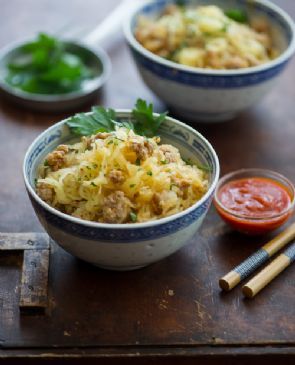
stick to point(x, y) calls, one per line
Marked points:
point(116, 208)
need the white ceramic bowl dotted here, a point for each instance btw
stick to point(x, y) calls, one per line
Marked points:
point(123, 246)
point(205, 94)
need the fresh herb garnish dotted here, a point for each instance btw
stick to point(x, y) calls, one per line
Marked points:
point(164, 162)
point(35, 181)
point(137, 162)
point(131, 185)
point(237, 15)
point(146, 124)
point(93, 184)
point(46, 67)
point(133, 217)
point(149, 173)
point(100, 120)
point(104, 120)
point(46, 163)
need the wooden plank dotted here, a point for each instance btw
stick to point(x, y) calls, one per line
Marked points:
point(155, 356)
point(34, 280)
point(24, 241)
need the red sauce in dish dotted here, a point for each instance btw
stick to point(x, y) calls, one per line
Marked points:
point(254, 205)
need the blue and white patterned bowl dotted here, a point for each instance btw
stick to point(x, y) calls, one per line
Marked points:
point(123, 246)
point(205, 94)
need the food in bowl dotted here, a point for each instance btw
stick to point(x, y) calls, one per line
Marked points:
point(254, 201)
point(208, 94)
point(124, 246)
point(207, 37)
point(117, 175)
point(46, 66)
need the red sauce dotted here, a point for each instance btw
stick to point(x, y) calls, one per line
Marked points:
point(254, 205)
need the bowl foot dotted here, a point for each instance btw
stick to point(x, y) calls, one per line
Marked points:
point(202, 117)
point(119, 268)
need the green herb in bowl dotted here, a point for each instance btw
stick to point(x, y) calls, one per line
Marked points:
point(45, 66)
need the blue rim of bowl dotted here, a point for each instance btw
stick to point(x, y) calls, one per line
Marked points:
point(98, 81)
point(284, 56)
point(148, 224)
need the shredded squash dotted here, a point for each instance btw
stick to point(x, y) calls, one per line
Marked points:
point(119, 177)
point(206, 36)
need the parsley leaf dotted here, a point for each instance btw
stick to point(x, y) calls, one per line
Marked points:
point(146, 124)
point(46, 66)
point(101, 119)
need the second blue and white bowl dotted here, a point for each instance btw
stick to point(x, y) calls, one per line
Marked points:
point(123, 246)
point(205, 94)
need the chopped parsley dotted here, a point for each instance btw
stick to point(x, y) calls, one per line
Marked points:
point(46, 163)
point(93, 184)
point(137, 162)
point(238, 15)
point(133, 217)
point(132, 185)
point(150, 173)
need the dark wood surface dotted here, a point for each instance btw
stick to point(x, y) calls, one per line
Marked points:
point(118, 317)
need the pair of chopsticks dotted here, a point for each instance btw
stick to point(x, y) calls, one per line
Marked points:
point(240, 272)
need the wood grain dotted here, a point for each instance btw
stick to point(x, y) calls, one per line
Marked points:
point(34, 282)
point(115, 316)
point(24, 241)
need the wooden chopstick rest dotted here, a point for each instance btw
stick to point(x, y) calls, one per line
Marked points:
point(244, 269)
point(269, 272)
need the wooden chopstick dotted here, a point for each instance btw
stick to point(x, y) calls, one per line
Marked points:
point(243, 270)
point(269, 272)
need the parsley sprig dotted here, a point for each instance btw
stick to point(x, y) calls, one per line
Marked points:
point(47, 66)
point(105, 120)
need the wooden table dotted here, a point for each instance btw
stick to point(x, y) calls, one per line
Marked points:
point(121, 317)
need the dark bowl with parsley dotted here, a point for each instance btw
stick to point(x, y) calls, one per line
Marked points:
point(48, 74)
point(123, 246)
point(206, 86)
